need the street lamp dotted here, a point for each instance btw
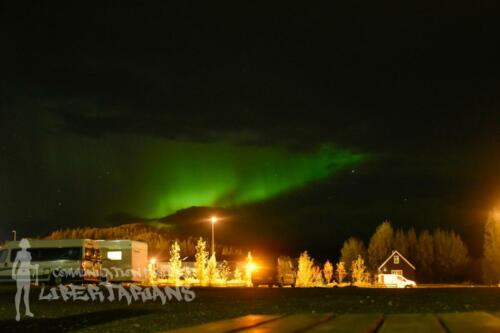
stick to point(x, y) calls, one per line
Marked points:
point(213, 220)
point(14, 234)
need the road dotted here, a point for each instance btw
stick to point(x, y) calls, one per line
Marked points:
point(219, 303)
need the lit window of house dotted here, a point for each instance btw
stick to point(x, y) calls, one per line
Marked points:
point(396, 259)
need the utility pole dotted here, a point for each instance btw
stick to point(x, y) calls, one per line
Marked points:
point(213, 220)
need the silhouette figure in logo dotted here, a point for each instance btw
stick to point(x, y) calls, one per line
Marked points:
point(22, 277)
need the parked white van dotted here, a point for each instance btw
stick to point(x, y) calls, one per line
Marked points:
point(58, 261)
point(394, 281)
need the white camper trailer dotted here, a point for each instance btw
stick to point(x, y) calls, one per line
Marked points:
point(55, 261)
point(124, 260)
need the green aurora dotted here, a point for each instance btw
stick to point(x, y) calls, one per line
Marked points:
point(152, 177)
point(229, 175)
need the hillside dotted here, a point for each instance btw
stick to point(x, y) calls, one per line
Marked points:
point(159, 239)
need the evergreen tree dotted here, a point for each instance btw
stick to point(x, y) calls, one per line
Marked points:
point(328, 271)
point(212, 273)
point(305, 271)
point(201, 258)
point(224, 271)
point(491, 249)
point(341, 271)
point(451, 255)
point(380, 246)
point(352, 248)
point(411, 239)
point(424, 256)
point(358, 271)
point(400, 242)
point(317, 277)
point(175, 263)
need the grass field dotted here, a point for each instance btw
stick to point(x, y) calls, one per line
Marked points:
point(218, 303)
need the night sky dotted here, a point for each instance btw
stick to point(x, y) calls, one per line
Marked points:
point(311, 122)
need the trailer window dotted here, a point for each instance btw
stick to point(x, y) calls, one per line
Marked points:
point(114, 255)
point(49, 254)
point(3, 255)
point(73, 253)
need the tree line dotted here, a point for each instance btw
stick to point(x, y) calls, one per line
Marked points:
point(159, 240)
point(439, 256)
point(207, 270)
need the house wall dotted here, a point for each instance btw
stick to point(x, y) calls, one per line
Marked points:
point(408, 271)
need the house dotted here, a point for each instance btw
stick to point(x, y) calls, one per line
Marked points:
point(397, 264)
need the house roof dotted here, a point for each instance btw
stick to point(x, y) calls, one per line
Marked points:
point(392, 255)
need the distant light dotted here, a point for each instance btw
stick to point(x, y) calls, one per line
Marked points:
point(214, 219)
point(152, 261)
point(114, 255)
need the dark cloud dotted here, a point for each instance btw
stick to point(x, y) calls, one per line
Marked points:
point(418, 92)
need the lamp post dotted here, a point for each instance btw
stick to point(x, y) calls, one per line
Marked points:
point(14, 235)
point(213, 220)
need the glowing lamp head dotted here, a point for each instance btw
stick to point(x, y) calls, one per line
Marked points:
point(213, 219)
point(152, 261)
point(251, 267)
point(496, 214)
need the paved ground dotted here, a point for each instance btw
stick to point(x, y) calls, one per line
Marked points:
point(220, 303)
point(456, 322)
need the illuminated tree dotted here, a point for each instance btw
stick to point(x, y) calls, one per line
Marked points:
point(186, 273)
point(317, 277)
point(305, 271)
point(152, 271)
point(237, 274)
point(201, 258)
point(358, 271)
point(249, 267)
point(341, 272)
point(380, 246)
point(491, 249)
point(352, 248)
point(212, 272)
point(328, 271)
point(224, 271)
point(175, 263)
